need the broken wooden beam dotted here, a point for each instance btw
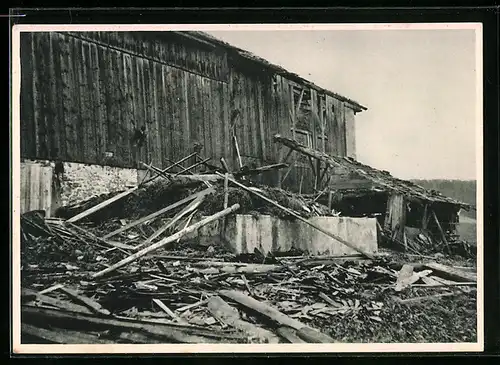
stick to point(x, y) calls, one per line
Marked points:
point(451, 273)
point(170, 333)
point(230, 316)
point(166, 240)
point(167, 310)
point(294, 214)
point(99, 206)
point(275, 315)
point(167, 169)
point(260, 170)
point(83, 300)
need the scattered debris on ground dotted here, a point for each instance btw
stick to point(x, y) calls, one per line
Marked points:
point(120, 268)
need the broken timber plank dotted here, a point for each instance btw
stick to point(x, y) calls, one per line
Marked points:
point(63, 336)
point(331, 235)
point(98, 207)
point(289, 334)
point(275, 315)
point(155, 214)
point(42, 317)
point(167, 240)
point(87, 302)
point(167, 169)
point(230, 316)
point(167, 310)
point(452, 273)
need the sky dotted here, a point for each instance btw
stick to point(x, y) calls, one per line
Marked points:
point(419, 87)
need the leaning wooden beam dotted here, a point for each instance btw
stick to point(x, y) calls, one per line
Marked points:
point(166, 240)
point(443, 235)
point(155, 170)
point(191, 207)
point(229, 315)
point(99, 206)
point(226, 190)
point(187, 169)
point(292, 213)
point(168, 168)
point(276, 316)
point(237, 147)
point(155, 214)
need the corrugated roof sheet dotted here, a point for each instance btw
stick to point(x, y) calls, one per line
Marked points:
point(382, 179)
point(207, 38)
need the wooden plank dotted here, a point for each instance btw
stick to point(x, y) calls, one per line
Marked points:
point(226, 190)
point(167, 310)
point(289, 334)
point(62, 336)
point(53, 127)
point(274, 315)
point(452, 273)
point(166, 332)
point(443, 235)
point(27, 122)
point(99, 206)
point(34, 186)
point(230, 316)
point(331, 235)
point(167, 240)
point(102, 106)
point(83, 300)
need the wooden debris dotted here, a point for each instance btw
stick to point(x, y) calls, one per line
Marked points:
point(425, 298)
point(155, 214)
point(230, 316)
point(52, 288)
point(44, 317)
point(290, 334)
point(62, 336)
point(167, 310)
point(98, 207)
point(452, 273)
point(167, 240)
point(276, 316)
point(294, 214)
point(406, 277)
point(87, 302)
point(190, 208)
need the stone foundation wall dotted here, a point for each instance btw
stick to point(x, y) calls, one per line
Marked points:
point(80, 181)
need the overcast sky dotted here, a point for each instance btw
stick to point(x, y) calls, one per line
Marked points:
point(418, 85)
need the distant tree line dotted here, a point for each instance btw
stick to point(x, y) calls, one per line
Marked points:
point(462, 190)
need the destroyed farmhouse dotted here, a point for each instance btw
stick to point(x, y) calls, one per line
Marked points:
point(138, 146)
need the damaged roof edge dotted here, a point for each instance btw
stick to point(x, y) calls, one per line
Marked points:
point(207, 38)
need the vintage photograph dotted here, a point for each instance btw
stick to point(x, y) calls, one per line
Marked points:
point(250, 185)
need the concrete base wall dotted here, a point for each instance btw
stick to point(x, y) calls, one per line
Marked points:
point(243, 233)
point(80, 181)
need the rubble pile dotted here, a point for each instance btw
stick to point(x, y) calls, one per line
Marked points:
point(120, 268)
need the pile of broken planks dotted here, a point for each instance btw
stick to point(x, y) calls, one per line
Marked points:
point(83, 283)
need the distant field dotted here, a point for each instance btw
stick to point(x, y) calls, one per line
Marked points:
point(467, 228)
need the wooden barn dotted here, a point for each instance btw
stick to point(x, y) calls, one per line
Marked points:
point(85, 94)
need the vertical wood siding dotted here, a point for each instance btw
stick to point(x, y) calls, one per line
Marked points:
point(36, 188)
point(82, 95)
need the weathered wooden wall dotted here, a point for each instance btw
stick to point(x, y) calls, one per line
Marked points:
point(36, 188)
point(82, 95)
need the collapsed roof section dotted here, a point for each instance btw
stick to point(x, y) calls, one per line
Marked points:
point(382, 180)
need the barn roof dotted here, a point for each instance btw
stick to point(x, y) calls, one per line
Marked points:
point(207, 38)
point(383, 180)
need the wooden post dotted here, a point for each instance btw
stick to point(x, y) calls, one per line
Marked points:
point(166, 240)
point(226, 190)
point(330, 197)
point(443, 235)
point(300, 185)
point(425, 216)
